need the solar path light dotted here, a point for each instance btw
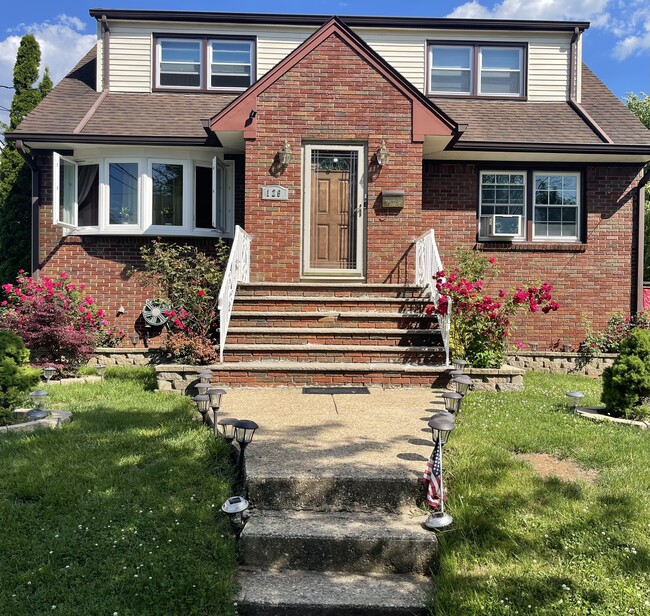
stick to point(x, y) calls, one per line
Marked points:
point(574, 398)
point(460, 364)
point(452, 401)
point(244, 432)
point(215, 396)
point(441, 424)
point(38, 400)
point(205, 376)
point(101, 368)
point(48, 373)
point(463, 384)
point(226, 426)
point(237, 509)
point(202, 404)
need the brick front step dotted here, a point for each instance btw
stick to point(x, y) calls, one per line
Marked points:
point(332, 319)
point(334, 353)
point(299, 303)
point(332, 336)
point(332, 290)
point(337, 541)
point(315, 593)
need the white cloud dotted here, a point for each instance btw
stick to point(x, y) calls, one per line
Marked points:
point(627, 20)
point(63, 43)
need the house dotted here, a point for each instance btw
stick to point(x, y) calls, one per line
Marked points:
point(336, 142)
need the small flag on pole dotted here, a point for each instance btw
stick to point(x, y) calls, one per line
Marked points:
point(432, 476)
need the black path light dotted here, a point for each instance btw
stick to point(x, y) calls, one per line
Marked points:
point(463, 384)
point(215, 396)
point(202, 404)
point(574, 399)
point(452, 401)
point(454, 374)
point(48, 373)
point(38, 399)
point(202, 388)
point(205, 376)
point(244, 432)
point(441, 424)
point(460, 364)
point(226, 426)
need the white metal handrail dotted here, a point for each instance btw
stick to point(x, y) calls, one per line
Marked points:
point(427, 264)
point(238, 270)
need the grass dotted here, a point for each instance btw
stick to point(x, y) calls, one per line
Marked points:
point(118, 511)
point(527, 545)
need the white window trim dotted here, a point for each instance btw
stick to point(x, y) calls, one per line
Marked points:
point(251, 47)
point(145, 197)
point(159, 62)
point(470, 48)
point(577, 207)
point(520, 51)
point(488, 238)
point(56, 190)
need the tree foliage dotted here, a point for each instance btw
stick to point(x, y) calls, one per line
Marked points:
point(639, 105)
point(15, 175)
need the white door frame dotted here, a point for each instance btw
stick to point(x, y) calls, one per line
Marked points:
point(360, 212)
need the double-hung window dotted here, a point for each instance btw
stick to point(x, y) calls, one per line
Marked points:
point(144, 196)
point(465, 69)
point(204, 64)
point(550, 200)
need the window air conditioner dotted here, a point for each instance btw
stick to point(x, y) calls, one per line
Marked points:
point(504, 225)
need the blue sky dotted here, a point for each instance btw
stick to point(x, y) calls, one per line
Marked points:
point(616, 47)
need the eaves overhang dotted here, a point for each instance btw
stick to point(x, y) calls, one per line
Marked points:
point(111, 139)
point(606, 149)
point(353, 21)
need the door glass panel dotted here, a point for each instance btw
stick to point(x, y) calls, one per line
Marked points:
point(167, 194)
point(67, 194)
point(203, 197)
point(88, 195)
point(333, 212)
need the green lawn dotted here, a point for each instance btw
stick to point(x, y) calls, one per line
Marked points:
point(527, 545)
point(118, 512)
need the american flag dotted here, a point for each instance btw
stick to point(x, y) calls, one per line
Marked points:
point(432, 476)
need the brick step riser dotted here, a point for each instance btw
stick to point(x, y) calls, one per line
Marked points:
point(287, 378)
point(344, 554)
point(363, 357)
point(342, 305)
point(335, 493)
point(250, 319)
point(334, 339)
point(325, 292)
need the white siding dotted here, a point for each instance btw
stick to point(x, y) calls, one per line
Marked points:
point(404, 49)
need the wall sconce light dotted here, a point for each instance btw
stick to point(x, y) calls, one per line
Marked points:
point(284, 154)
point(120, 311)
point(382, 154)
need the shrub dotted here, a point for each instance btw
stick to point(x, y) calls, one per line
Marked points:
point(626, 384)
point(188, 280)
point(58, 323)
point(481, 324)
point(618, 328)
point(188, 348)
point(16, 377)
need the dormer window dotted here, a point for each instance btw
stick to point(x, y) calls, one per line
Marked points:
point(472, 69)
point(204, 64)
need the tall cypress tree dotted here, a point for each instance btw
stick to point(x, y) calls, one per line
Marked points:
point(15, 175)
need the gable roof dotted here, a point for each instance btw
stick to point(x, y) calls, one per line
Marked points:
point(427, 118)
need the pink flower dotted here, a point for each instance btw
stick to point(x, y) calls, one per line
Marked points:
point(491, 259)
point(519, 344)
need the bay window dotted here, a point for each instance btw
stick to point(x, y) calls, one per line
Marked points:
point(143, 196)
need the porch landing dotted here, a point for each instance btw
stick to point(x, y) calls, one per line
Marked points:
point(335, 485)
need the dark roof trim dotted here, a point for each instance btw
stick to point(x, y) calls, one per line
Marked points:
point(350, 20)
point(107, 139)
point(560, 148)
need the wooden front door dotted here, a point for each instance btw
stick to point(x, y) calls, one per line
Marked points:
point(334, 212)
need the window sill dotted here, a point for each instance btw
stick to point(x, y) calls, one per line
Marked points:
point(153, 233)
point(531, 246)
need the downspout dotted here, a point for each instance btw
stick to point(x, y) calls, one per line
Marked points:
point(106, 37)
point(640, 244)
point(573, 88)
point(31, 163)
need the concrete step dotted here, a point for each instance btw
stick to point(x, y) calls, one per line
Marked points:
point(301, 303)
point(310, 593)
point(283, 373)
point(331, 289)
point(333, 336)
point(334, 353)
point(341, 492)
point(337, 541)
point(332, 319)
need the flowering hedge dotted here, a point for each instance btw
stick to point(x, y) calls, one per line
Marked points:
point(481, 324)
point(58, 322)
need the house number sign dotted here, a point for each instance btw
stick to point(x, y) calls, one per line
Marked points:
point(275, 193)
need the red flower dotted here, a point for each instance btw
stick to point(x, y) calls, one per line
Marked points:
point(491, 259)
point(201, 292)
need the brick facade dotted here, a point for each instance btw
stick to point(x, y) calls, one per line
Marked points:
point(334, 95)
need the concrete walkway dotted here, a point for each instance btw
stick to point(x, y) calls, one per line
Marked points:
point(381, 434)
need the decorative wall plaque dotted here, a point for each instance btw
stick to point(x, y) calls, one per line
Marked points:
point(275, 193)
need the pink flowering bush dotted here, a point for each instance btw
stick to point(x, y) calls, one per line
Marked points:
point(481, 324)
point(59, 324)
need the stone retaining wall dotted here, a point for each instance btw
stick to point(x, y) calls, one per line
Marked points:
point(126, 357)
point(564, 363)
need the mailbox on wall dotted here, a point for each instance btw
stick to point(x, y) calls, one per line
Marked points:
point(392, 199)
